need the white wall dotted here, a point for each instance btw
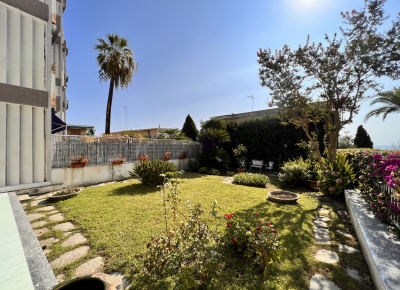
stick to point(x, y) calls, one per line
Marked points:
point(91, 175)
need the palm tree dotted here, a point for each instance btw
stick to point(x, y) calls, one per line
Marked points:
point(391, 99)
point(117, 65)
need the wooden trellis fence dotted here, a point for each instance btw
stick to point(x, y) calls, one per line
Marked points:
point(101, 150)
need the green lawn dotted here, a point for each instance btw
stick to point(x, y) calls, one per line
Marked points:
point(118, 220)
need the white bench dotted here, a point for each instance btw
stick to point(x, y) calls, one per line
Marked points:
point(257, 164)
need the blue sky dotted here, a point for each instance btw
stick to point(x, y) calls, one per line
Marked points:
point(195, 57)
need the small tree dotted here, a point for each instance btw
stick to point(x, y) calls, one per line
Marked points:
point(189, 128)
point(362, 139)
point(345, 141)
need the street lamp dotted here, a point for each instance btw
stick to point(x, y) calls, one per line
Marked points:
point(126, 117)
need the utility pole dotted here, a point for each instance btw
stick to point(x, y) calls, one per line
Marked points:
point(126, 117)
point(252, 101)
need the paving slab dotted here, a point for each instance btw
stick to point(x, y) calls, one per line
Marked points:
point(46, 208)
point(46, 251)
point(74, 240)
point(327, 256)
point(227, 180)
point(319, 282)
point(353, 273)
point(40, 232)
point(39, 202)
point(323, 219)
point(322, 236)
point(323, 211)
point(34, 216)
point(320, 224)
point(53, 212)
point(347, 249)
point(23, 198)
point(69, 257)
point(91, 266)
point(48, 242)
point(344, 234)
point(64, 227)
point(38, 224)
point(66, 234)
point(56, 217)
point(24, 205)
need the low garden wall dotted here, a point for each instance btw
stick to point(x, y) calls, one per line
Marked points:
point(90, 175)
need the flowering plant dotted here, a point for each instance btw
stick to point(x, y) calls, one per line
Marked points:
point(166, 156)
point(255, 238)
point(80, 159)
point(120, 158)
point(143, 157)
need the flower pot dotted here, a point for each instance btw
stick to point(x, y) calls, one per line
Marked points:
point(77, 165)
point(84, 282)
point(117, 162)
point(241, 170)
point(313, 184)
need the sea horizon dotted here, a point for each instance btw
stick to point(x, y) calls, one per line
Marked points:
point(387, 147)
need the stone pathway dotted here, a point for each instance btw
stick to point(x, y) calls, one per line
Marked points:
point(322, 237)
point(45, 217)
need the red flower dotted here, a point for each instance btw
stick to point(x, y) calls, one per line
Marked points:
point(234, 240)
point(258, 228)
point(228, 225)
point(228, 216)
point(269, 224)
point(275, 231)
point(261, 221)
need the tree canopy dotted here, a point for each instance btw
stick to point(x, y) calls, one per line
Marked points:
point(189, 128)
point(362, 139)
point(391, 101)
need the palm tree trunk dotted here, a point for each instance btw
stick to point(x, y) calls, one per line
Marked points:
point(109, 104)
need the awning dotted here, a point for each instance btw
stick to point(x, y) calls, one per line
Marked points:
point(57, 125)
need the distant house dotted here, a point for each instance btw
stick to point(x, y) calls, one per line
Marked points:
point(242, 116)
point(80, 129)
point(149, 133)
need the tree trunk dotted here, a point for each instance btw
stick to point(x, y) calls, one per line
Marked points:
point(109, 104)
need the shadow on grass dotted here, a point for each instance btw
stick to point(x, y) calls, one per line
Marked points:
point(133, 189)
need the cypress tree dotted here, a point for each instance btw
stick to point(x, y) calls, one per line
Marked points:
point(362, 139)
point(189, 128)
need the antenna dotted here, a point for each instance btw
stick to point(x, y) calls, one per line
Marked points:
point(252, 101)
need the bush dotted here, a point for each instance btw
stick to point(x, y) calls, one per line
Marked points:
point(294, 171)
point(337, 176)
point(209, 171)
point(251, 179)
point(148, 172)
point(194, 165)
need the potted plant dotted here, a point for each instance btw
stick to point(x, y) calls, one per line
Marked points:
point(183, 155)
point(119, 160)
point(143, 157)
point(240, 154)
point(166, 156)
point(79, 161)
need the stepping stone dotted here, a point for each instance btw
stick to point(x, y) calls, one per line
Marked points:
point(321, 224)
point(46, 251)
point(60, 278)
point(39, 233)
point(322, 236)
point(319, 282)
point(228, 180)
point(323, 211)
point(353, 273)
point(23, 197)
point(64, 227)
point(48, 242)
point(344, 234)
point(327, 256)
point(347, 249)
point(53, 212)
point(56, 217)
point(323, 219)
point(34, 216)
point(46, 208)
point(69, 257)
point(91, 266)
point(117, 279)
point(39, 197)
point(339, 205)
point(66, 234)
point(24, 205)
point(38, 224)
point(74, 240)
point(39, 202)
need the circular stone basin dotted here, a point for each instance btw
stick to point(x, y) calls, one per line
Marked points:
point(63, 194)
point(281, 196)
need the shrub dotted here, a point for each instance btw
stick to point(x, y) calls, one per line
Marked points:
point(194, 165)
point(294, 171)
point(251, 179)
point(337, 176)
point(148, 172)
point(254, 237)
point(209, 171)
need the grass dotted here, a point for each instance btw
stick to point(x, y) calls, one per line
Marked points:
point(119, 218)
